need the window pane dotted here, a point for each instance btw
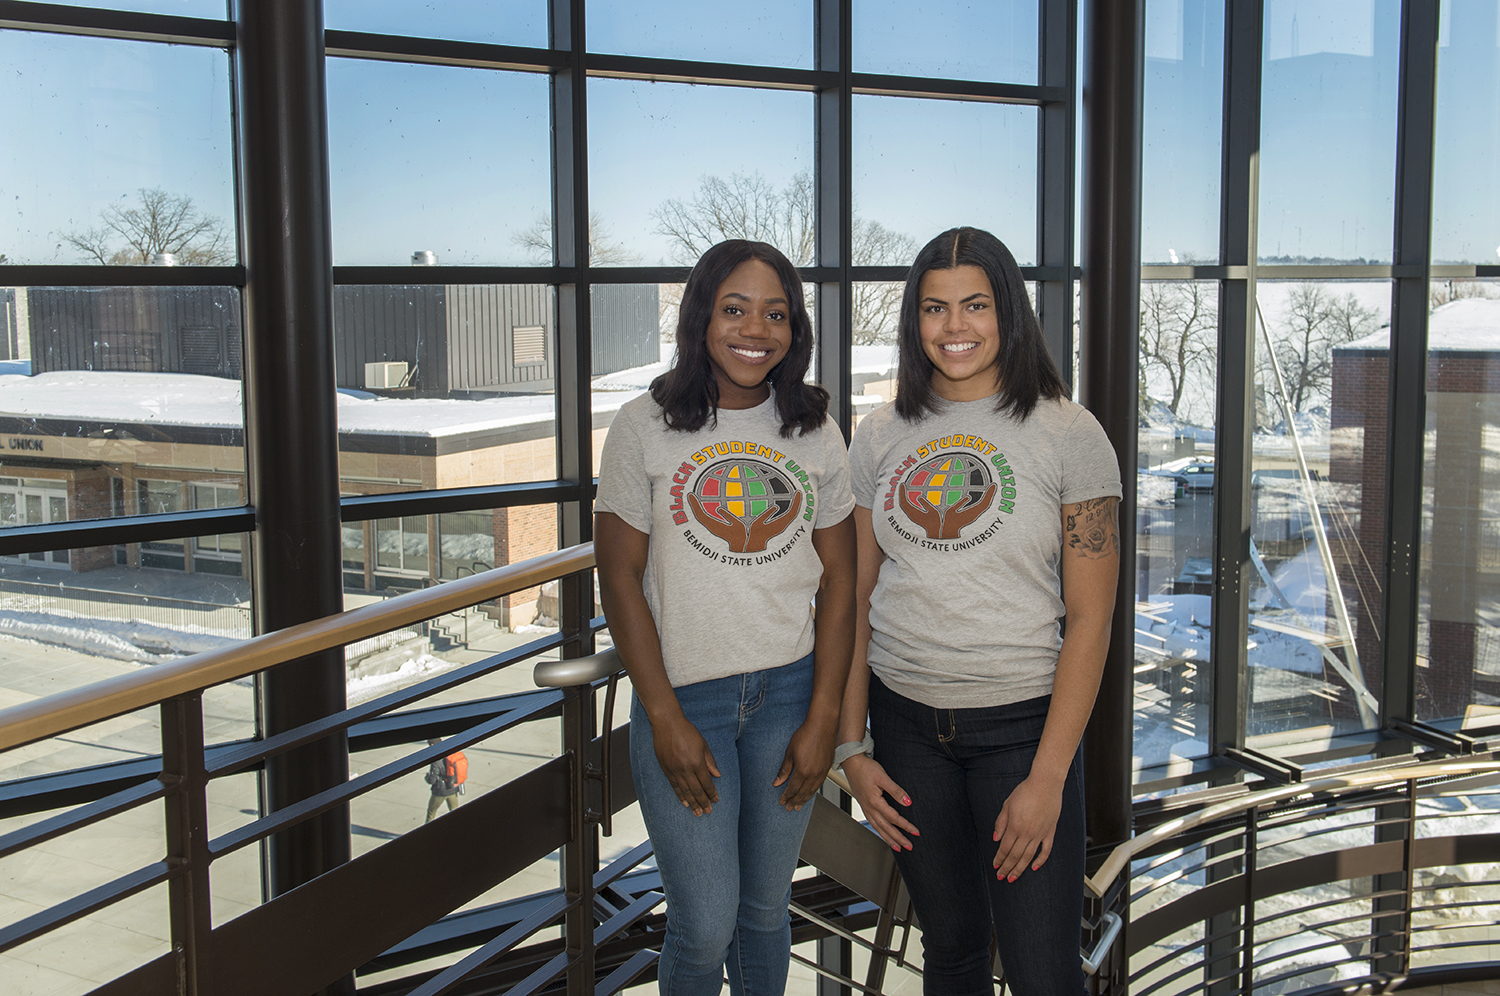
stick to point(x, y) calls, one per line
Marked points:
point(500, 22)
point(978, 167)
point(676, 168)
point(115, 151)
point(1174, 521)
point(1180, 141)
point(105, 387)
point(768, 33)
point(1465, 201)
point(1458, 640)
point(1318, 507)
point(955, 39)
point(1328, 131)
point(634, 335)
point(437, 159)
point(441, 386)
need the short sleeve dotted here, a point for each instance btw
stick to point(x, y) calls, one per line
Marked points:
point(835, 500)
point(862, 464)
point(1090, 467)
point(624, 485)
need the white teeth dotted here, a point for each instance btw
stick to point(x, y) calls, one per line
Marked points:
point(959, 347)
point(753, 354)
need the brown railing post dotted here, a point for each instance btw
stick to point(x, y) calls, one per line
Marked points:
point(182, 771)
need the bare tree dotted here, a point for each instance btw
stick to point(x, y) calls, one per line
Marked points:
point(748, 206)
point(604, 249)
point(1179, 323)
point(157, 223)
point(743, 206)
point(1314, 324)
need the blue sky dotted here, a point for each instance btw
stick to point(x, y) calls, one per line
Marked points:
point(457, 160)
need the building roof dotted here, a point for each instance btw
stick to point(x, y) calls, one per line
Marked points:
point(1471, 325)
point(163, 399)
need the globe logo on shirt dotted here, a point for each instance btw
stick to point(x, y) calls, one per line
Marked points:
point(946, 493)
point(745, 503)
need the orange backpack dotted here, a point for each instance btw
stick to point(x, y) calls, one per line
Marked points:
point(456, 770)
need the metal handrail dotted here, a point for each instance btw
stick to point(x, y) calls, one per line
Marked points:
point(1119, 859)
point(57, 714)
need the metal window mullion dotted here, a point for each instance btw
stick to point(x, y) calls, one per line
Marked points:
point(1415, 133)
point(834, 141)
point(1406, 421)
point(1234, 423)
point(1109, 314)
point(574, 341)
point(833, 48)
point(1057, 136)
point(1240, 193)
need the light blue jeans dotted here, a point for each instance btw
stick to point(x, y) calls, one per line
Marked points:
point(728, 874)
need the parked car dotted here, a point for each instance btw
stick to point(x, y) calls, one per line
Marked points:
point(1196, 477)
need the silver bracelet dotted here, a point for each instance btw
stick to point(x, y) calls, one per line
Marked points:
point(844, 752)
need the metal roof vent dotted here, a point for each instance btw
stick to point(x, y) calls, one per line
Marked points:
point(163, 259)
point(424, 257)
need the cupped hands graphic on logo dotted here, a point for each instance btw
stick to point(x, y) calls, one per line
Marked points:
point(947, 493)
point(745, 503)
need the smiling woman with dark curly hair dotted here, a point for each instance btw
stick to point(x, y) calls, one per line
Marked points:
point(722, 515)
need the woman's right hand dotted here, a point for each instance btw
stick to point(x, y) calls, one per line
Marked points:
point(687, 762)
point(871, 785)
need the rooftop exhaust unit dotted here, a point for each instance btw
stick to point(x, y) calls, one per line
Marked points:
point(385, 375)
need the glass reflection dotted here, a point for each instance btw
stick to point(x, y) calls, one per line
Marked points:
point(978, 167)
point(1180, 140)
point(1328, 131)
point(1458, 638)
point(1317, 506)
point(1174, 521)
point(1465, 204)
point(116, 152)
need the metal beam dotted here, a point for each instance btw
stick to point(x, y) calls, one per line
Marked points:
point(290, 421)
point(1057, 131)
point(1110, 313)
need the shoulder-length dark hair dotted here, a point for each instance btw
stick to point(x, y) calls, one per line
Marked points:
point(1024, 366)
point(689, 392)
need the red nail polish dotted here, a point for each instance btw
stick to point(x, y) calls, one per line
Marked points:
point(1011, 879)
point(906, 800)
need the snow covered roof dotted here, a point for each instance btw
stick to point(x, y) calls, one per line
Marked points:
point(1471, 324)
point(214, 402)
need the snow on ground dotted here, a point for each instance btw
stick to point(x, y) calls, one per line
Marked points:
point(416, 668)
point(873, 359)
point(634, 379)
point(117, 639)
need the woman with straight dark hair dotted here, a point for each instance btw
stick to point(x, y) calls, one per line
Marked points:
point(722, 516)
point(985, 516)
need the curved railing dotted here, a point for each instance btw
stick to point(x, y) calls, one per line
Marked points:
point(1383, 874)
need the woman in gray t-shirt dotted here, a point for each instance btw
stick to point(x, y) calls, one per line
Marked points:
point(985, 515)
point(722, 515)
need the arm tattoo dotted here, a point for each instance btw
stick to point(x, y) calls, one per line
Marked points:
point(1091, 529)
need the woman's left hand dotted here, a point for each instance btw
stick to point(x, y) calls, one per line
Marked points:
point(809, 755)
point(1025, 828)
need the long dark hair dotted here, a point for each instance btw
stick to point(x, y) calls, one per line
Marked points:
point(689, 392)
point(1026, 370)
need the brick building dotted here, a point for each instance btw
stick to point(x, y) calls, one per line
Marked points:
point(1460, 556)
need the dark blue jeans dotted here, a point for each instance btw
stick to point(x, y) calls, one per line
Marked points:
point(958, 766)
